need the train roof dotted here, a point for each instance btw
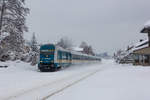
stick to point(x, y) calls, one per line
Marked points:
point(71, 51)
point(75, 52)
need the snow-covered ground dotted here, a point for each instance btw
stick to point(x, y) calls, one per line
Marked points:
point(118, 82)
point(103, 81)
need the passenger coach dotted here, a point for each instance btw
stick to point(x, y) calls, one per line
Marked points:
point(53, 57)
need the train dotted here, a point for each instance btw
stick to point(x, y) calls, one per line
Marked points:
point(53, 58)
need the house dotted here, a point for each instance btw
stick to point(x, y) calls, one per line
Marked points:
point(142, 51)
point(139, 53)
point(134, 54)
point(124, 56)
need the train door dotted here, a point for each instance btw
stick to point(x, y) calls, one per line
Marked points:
point(70, 58)
point(59, 57)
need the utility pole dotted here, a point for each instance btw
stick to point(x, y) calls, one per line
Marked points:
point(1, 17)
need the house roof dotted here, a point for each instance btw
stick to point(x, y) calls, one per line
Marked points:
point(146, 28)
point(133, 48)
point(77, 49)
point(140, 45)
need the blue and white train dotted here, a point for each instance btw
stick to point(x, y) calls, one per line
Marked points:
point(53, 57)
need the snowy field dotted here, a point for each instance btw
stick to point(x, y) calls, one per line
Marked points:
point(104, 81)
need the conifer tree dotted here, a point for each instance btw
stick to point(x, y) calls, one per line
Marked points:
point(12, 25)
point(34, 44)
point(34, 50)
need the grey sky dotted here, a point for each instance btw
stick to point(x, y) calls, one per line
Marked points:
point(107, 25)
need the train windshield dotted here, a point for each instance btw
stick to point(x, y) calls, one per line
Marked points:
point(47, 49)
point(47, 52)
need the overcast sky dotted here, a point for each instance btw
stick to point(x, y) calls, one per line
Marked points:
point(107, 25)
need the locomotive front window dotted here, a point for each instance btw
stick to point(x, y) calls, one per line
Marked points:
point(47, 52)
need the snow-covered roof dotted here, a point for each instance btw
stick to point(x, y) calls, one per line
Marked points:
point(146, 28)
point(75, 52)
point(140, 45)
point(77, 49)
point(134, 47)
point(147, 24)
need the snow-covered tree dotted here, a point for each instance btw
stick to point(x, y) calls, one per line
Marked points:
point(12, 23)
point(12, 16)
point(34, 44)
point(65, 43)
point(34, 50)
point(86, 48)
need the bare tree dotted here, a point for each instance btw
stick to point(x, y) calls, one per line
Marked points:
point(83, 45)
point(65, 43)
point(86, 48)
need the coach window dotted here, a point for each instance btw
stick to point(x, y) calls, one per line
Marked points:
point(67, 56)
point(64, 56)
point(58, 55)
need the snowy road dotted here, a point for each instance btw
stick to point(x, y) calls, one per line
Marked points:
point(106, 81)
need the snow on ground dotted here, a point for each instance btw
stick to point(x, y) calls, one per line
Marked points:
point(21, 77)
point(112, 82)
point(118, 82)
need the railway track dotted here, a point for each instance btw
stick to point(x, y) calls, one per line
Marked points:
point(69, 85)
point(47, 90)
